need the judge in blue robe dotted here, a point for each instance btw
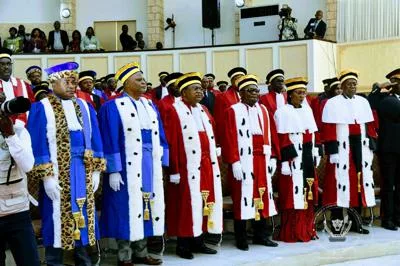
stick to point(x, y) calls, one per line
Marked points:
point(136, 149)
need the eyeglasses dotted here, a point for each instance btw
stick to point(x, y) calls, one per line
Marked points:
point(4, 65)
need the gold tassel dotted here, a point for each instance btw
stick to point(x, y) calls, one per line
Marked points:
point(210, 223)
point(261, 190)
point(359, 181)
point(257, 204)
point(305, 199)
point(204, 195)
point(310, 182)
point(146, 197)
point(77, 232)
point(80, 203)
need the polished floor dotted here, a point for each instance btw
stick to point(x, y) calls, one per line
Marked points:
point(379, 247)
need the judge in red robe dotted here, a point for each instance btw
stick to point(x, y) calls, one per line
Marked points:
point(297, 179)
point(225, 100)
point(165, 105)
point(247, 150)
point(85, 89)
point(349, 138)
point(332, 89)
point(276, 96)
point(194, 193)
point(110, 89)
point(13, 87)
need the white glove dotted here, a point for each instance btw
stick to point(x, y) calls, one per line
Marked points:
point(286, 168)
point(96, 180)
point(116, 181)
point(52, 188)
point(334, 158)
point(272, 166)
point(218, 151)
point(237, 171)
point(317, 160)
point(175, 179)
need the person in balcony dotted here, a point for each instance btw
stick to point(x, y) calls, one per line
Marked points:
point(89, 42)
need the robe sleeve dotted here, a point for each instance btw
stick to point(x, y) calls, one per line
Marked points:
point(230, 147)
point(288, 151)
point(110, 128)
point(329, 138)
point(219, 111)
point(175, 142)
point(163, 139)
point(372, 135)
point(276, 151)
point(36, 126)
point(99, 163)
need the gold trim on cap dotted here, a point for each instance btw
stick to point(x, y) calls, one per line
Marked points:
point(170, 82)
point(334, 83)
point(85, 77)
point(237, 73)
point(191, 82)
point(297, 86)
point(124, 68)
point(5, 55)
point(250, 82)
point(163, 75)
point(275, 76)
point(396, 76)
point(130, 73)
point(349, 77)
point(302, 79)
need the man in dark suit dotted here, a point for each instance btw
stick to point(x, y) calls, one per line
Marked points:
point(316, 27)
point(207, 84)
point(389, 153)
point(58, 39)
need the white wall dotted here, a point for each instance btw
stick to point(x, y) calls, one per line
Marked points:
point(89, 11)
point(189, 30)
point(188, 16)
point(29, 11)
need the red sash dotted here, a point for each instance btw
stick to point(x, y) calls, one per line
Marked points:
point(20, 89)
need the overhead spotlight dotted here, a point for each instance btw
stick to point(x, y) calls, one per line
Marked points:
point(239, 3)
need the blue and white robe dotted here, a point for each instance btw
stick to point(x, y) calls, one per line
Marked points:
point(42, 128)
point(138, 154)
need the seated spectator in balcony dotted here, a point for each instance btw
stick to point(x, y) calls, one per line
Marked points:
point(13, 43)
point(37, 43)
point(58, 39)
point(140, 46)
point(139, 38)
point(75, 44)
point(127, 42)
point(25, 37)
point(316, 27)
point(89, 42)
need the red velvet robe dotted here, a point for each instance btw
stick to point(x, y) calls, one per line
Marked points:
point(232, 153)
point(181, 207)
point(222, 102)
point(164, 107)
point(342, 185)
point(298, 149)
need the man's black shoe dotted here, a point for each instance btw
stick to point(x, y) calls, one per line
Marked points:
point(242, 245)
point(205, 250)
point(265, 242)
point(184, 253)
point(389, 225)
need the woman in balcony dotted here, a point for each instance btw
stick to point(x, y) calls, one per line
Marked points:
point(89, 42)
